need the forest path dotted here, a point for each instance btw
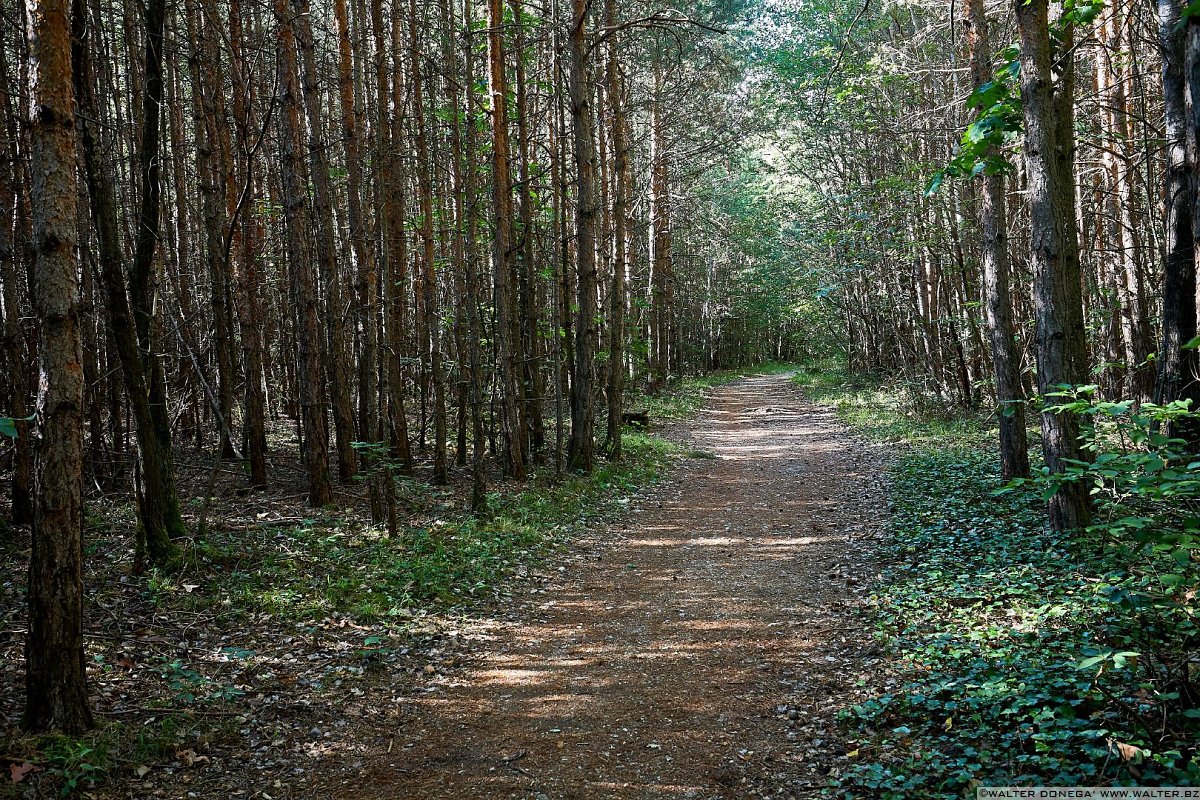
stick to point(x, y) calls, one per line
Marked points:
point(700, 649)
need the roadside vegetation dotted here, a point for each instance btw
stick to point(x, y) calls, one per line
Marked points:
point(273, 626)
point(1025, 656)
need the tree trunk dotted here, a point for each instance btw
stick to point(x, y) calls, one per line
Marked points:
point(1014, 446)
point(250, 284)
point(55, 677)
point(315, 446)
point(158, 507)
point(1179, 369)
point(428, 277)
point(531, 375)
point(337, 353)
point(367, 276)
point(581, 446)
point(616, 294)
point(21, 496)
point(662, 269)
point(503, 252)
point(1058, 304)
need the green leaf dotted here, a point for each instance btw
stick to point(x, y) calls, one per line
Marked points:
point(935, 183)
point(8, 427)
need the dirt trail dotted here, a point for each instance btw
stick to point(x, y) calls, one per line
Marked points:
point(701, 650)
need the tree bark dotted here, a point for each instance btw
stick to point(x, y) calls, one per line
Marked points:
point(367, 275)
point(993, 218)
point(250, 280)
point(661, 266)
point(21, 495)
point(428, 276)
point(581, 446)
point(527, 285)
point(55, 677)
point(1179, 369)
point(315, 446)
point(503, 253)
point(337, 353)
point(616, 294)
point(158, 506)
point(1058, 303)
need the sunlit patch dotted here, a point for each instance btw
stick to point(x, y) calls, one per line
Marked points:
point(513, 677)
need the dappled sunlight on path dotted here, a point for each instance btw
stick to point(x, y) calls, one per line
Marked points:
point(656, 666)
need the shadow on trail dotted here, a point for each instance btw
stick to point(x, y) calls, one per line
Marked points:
point(656, 668)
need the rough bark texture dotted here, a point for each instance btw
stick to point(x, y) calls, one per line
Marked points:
point(661, 266)
point(531, 372)
point(337, 352)
point(16, 371)
point(367, 276)
point(159, 519)
point(1179, 369)
point(250, 278)
point(467, 177)
point(581, 446)
point(993, 219)
point(212, 166)
point(428, 277)
point(1058, 304)
point(616, 297)
point(55, 678)
point(503, 253)
point(315, 446)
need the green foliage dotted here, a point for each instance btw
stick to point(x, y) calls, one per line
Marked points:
point(1145, 483)
point(895, 413)
point(999, 121)
point(991, 616)
point(8, 425)
point(189, 686)
point(1022, 656)
point(77, 763)
point(329, 565)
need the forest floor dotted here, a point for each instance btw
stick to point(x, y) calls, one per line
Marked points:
point(695, 639)
point(700, 648)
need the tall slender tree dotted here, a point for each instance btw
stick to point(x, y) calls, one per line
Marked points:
point(1054, 255)
point(315, 445)
point(55, 678)
point(993, 218)
point(581, 446)
point(503, 253)
point(131, 314)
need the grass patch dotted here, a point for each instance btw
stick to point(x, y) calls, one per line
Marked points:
point(329, 565)
point(991, 621)
point(894, 414)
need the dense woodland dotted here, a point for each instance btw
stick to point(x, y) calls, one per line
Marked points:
point(340, 247)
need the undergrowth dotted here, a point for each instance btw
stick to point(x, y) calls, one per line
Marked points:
point(1016, 661)
point(332, 565)
point(328, 573)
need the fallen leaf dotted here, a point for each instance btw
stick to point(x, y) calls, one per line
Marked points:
point(142, 771)
point(188, 587)
point(190, 758)
point(1127, 751)
point(19, 771)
